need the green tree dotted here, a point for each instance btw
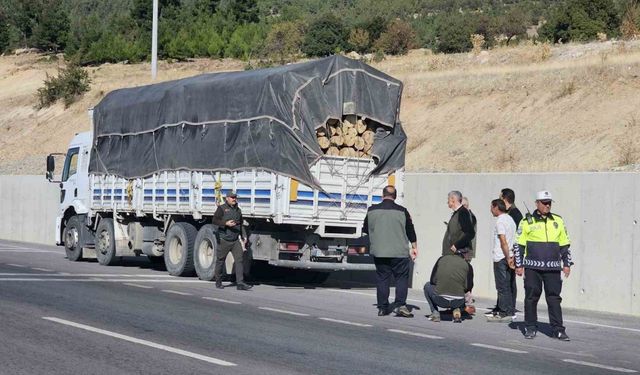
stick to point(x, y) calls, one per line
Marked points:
point(4, 32)
point(359, 40)
point(513, 23)
point(453, 33)
point(51, 28)
point(581, 20)
point(326, 35)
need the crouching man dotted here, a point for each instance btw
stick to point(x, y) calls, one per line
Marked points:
point(451, 278)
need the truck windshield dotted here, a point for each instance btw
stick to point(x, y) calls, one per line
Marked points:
point(70, 164)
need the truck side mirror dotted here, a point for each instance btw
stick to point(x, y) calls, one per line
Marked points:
point(51, 166)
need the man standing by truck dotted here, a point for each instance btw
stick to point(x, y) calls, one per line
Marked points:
point(390, 231)
point(228, 218)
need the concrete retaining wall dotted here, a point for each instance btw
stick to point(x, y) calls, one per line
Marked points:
point(601, 210)
point(29, 205)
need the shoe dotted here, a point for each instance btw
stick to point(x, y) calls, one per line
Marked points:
point(562, 336)
point(243, 286)
point(383, 311)
point(404, 312)
point(530, 333)
point(470, 309)
point(434, 317)
point(457, 316)
point(500, 317)
point(492, 312)
point(219, 285)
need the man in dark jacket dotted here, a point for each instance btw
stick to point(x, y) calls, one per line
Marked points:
point(451, 278)
point(393, 245)
point(460, 230)
point(228, 218)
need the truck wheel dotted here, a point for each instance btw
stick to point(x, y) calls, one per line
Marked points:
point(204, 252)
point(178, 249)
point(72, 239)
point(106, 243)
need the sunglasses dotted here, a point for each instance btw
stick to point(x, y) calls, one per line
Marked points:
point(546, 203)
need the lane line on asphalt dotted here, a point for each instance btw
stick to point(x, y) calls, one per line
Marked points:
point(27, 251)
point(543, 316)
point(138, 285)
point(345, 322)
point(176, 292)
point(16, 265)
point(66, 274)
point(369, 294)
point(41, 269)
point(513, 342)
point(417, 334)
point(170, 349)
point(283, 311)
point(222, 300)
point(597, 365)
point(509, 350)
point(93, 280)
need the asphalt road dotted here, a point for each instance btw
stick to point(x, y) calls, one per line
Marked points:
point(60, 317)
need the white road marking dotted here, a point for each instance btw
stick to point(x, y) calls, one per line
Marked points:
point(499, 348)
point(222, 300)
point(591, 364)
point(176, 292)
point(170, 349)
point(82, 274)
point(543, 316)
point(16, 265)
point(416, 334)
point(369, 294)
point(283, 311)
point(138, 285)
point(512, 342)
point(346, 322)
point(41, 269)
point(20, 250)
point(602, 325)
point(105, 280)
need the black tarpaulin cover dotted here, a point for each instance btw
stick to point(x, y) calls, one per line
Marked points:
point(238, 120)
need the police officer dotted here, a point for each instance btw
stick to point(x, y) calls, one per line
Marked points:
point(541, 253)
point(228, 218)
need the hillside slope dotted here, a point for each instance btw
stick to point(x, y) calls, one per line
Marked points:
point(527, 108)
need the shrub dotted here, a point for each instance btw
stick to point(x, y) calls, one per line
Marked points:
point(326, 35)
point(70, 83)
point(453, 32)
point(629, 28)
point(283, 42)
point(398, 39)
point(359, 40)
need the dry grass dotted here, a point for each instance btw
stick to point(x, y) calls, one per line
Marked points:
point(462, 112)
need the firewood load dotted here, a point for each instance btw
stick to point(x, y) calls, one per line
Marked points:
point(352, 137)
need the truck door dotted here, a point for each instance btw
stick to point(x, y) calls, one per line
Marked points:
point(69, 186)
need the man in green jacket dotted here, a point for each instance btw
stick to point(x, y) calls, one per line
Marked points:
point(393, 245)
point(451, 278)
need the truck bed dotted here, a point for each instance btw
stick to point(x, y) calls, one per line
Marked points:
point(338, 211)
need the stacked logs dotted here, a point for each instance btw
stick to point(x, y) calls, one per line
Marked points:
point(351, 137)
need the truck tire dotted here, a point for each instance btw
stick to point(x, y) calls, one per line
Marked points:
point(178, 249)
point(72, 239)
point(106, 243)
point(204, 252)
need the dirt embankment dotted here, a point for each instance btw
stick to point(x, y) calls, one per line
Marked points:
point(526, 108)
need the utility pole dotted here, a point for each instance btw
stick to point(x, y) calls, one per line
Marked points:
point(154, 41)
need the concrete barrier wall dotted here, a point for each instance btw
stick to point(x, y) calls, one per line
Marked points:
point(601, 211)
point(29, 205)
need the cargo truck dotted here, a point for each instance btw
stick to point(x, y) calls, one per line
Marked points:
point(149, 175)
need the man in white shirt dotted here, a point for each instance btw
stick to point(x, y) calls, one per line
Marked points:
point(504, 234)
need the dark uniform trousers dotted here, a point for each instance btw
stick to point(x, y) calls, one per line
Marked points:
point(533, 282)
point(386, 268)
point(224, 247)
